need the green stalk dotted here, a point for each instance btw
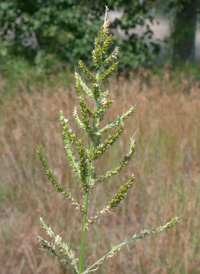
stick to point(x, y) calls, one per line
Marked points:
point(83, 233)
point(85, 217)
point(82, 253)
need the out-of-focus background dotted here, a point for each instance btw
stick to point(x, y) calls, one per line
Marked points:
point(40, 45)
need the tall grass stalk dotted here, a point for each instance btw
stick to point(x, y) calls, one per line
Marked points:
point(82, 155)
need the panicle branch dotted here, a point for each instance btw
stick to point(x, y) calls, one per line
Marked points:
point(114, 202)
point(78, 120)
point(119, 167)
point(106, 104)
point(87, 90)
point(83, 105)
point(58, 187)
point(116, 122)
point(121, 193)
point(134, 238)
point(69, 139)
point(64, 252)
point(86, 71)
point(107, 142)
point(84, 109)
point(108, 72)
point(112, 56)
point(68, 132)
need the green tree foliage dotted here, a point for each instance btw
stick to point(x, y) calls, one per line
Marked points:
point(56, 26)
point(46, 31)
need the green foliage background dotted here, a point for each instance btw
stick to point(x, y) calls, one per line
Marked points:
point(64, 30)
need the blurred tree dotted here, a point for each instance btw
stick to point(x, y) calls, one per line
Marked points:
point(45, 32)
point(184, 30)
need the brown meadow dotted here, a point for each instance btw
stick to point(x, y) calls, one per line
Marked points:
point(166, 164)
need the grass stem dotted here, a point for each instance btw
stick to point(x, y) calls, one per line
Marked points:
point(83, 233)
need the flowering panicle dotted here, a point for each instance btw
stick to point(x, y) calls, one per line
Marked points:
point(83, 158)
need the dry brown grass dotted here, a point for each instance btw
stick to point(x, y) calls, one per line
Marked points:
point(167, 170)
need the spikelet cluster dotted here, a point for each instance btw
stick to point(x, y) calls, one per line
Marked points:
point(82, 158)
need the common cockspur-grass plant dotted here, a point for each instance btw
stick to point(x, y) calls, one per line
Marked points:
point(82, 158)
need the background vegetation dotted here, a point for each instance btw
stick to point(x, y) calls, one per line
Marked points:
point(45, 32)
point(61, 31)
point(36, 83)
point(167, 176)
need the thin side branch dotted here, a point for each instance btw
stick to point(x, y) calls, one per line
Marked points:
point(135, 237)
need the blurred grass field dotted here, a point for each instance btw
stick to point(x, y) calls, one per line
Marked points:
point(166, 165)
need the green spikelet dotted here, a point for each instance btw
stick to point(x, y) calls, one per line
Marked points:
point(63, 252)
point(83, 166)
point(78, 120)
point(119, 167)
point(58, 187)
point(86, 71)
point(83, 155)
point(87, 90)
point(108, 72)
point(112, 56)
point(116, 122)
point(96, 90)
point(68, 132)
point(121, 193)
point(108, 142)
